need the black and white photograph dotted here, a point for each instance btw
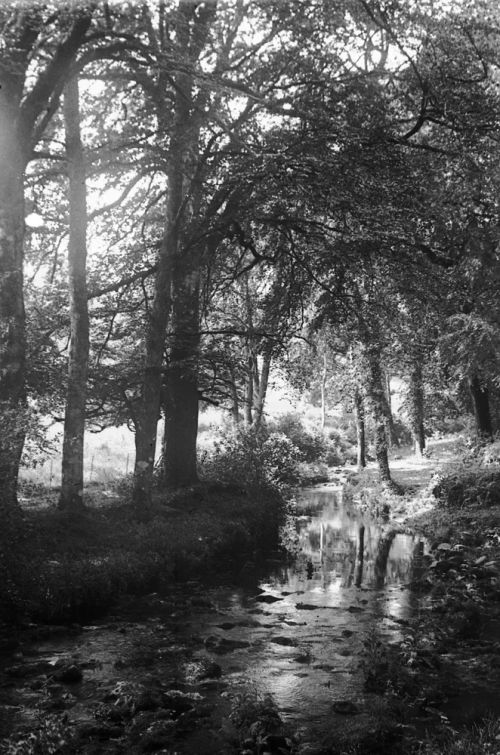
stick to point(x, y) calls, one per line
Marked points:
point(250, 377)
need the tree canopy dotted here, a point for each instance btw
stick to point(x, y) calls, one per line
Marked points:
point(256, 173)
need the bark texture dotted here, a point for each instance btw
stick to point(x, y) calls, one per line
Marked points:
point(74, 420)
point(26, 108)
point(375, 392)
point(261, 383)
point(174, 277)
point(181, 399)
point(481, 403)
point(359, 414)
point(416, 408)
point(12, 316)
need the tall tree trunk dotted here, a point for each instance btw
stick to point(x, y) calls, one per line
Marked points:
point(416, 409)
point(192, 28)
point(12, 317)
point(181, 398)
point(26, 107)
point(378, 405)
point(359, 414)
point(148, 412)
point(74, 421)
point(324, 374)
point(481, 402)
point(249, 391)
point(259, 398)
point(235, 407)
point(251, 358)
point(392, 437)
point(381, 451)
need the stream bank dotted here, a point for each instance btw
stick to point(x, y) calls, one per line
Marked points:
point(448, 664)
point(59, 568)
point(269, 659)
point(357, 640)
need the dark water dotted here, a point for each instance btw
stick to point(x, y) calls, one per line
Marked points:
point(293, 628)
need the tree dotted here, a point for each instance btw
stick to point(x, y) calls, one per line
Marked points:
point(28, 97)
point(74, 423)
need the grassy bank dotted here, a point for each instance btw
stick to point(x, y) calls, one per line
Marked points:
point(59, 568)
point(439, 687)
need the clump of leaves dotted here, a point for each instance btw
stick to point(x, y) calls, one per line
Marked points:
point(479, 487)
point(255, 712)
point(311, 445)
point(254, 458)
point(388, 669)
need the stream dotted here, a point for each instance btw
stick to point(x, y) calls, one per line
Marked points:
point(186, 670)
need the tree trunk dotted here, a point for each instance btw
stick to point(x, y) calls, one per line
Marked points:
point(392, 438)
point(381, 451)
point(416, 410)
point(24, 113)
point(192, 28)
point(159, 313)
point(249, 392)
point(181, 399)
point(359, 414)
point(481, 402)
point(263, 382)
point(323, 392)
point(74, 421)
point(378, 405)
point(148, 412)
point(235, 407)
point(12, 316)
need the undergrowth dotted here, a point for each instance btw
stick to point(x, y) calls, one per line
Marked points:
point(56, 567)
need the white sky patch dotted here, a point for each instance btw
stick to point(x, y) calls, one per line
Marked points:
point(108, 196)
point(34, 220)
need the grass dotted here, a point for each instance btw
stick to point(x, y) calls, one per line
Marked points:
point(480, 739)
point(447, 649)
point(57, 567)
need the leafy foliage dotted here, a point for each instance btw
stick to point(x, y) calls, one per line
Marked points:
point(312, 445)
point(465, 488)
point(253, 457)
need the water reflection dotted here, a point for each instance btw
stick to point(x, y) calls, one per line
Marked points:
point(337, 542)
point(298, 633)
point(349, 577)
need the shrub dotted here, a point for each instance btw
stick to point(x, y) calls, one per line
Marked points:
point(480, 487)
point(252, 457)
point(311, 445)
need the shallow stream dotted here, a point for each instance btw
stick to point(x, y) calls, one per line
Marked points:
point(176, 672)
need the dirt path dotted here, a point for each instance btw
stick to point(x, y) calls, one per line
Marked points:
point(411, 471)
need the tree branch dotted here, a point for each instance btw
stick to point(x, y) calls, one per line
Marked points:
point(141, 275)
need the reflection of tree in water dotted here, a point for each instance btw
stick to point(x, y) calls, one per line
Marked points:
point(337, 541)
point(384, 547)
point(361, 556)
point(314, 537)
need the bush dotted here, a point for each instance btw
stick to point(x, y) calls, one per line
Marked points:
point(252, 457)
point(311, 445)
point(479, 487)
